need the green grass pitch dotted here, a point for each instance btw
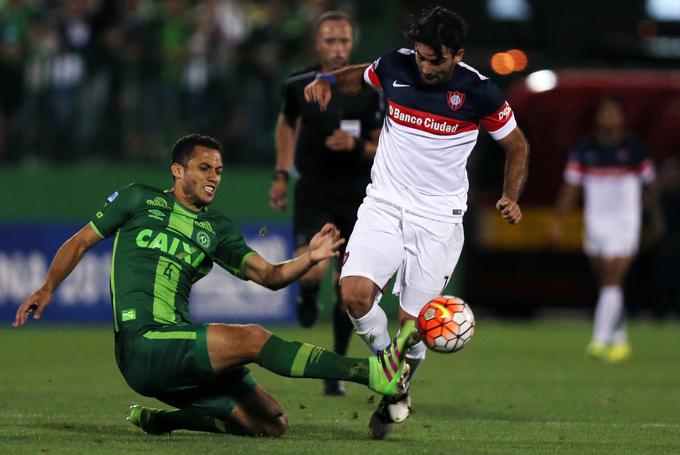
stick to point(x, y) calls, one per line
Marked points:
point(520, 387)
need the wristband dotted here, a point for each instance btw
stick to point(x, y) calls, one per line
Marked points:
point(281, 173)
point(328, 76)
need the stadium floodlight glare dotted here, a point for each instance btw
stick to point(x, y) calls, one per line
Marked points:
point(509, 10)
point(663, 10)
point(541, 81)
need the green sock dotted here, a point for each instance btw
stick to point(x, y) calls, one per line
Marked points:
point(302, 360)
point(189, 419)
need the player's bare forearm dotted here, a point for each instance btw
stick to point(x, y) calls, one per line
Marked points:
point(324, 244)
point(285, 144)
point(651, 199)
point(277, 276)
point(63, 263)
point(516, 164)
point(351, 78)
point(348, 79)
point(285, 137)
point(69, 255)
point(516, 171)
point(566, 198)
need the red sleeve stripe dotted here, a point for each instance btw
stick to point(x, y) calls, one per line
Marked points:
point(372, 77)
point(575, 166)
point(498, 119)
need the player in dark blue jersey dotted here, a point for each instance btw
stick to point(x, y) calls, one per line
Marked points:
point(611, 166)
point(410, 222)
point(333, 152)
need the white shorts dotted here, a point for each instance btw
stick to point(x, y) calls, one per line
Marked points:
point(611, 240)
point(388, 239)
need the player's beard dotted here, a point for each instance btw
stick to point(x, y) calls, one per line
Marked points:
point(439, 78)
point(191, 190)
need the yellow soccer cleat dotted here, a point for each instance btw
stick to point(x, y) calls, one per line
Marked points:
point(618, 352)
point(597, 350)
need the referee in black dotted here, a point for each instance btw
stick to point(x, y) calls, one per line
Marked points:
point(333, 153)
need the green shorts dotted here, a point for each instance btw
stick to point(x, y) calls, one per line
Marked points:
point(171, 364)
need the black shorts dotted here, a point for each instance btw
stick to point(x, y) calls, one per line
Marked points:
point(318, 202)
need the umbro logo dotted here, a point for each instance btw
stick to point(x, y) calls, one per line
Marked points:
point(156, 214)
point(397, 84)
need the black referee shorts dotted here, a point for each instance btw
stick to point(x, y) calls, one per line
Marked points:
point(318, 202)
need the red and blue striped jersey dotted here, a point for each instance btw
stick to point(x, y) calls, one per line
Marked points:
point(429, 133)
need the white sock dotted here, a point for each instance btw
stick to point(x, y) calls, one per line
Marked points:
point(417, 351)
point(372, 327)
point(608, 314)
point(620, 335)
point(415, 357)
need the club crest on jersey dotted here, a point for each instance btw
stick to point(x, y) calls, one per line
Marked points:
point(203, 239)
point(455, 100)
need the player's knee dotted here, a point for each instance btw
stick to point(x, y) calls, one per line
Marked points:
point(279, 427)
point(272, 428)
point(358, 303)
point(255, 333)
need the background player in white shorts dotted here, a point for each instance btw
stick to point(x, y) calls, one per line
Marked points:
point(410, 220)
point(611, 166)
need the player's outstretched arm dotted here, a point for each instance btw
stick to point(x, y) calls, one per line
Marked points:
point(285, 154)
point(324, 244)
point(348, 79)
point(68, 256)
point(516, 171)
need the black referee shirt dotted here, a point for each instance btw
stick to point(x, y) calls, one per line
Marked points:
point(358, 113)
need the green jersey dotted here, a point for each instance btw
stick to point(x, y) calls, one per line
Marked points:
point(161, 249)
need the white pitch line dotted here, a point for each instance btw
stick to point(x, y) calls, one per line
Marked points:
point(615, 425)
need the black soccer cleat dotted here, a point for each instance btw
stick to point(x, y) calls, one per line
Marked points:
point(381, 424)
point(390, 412)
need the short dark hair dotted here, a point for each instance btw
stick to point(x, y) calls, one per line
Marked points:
point(185, 145)
point(438, 26)
point(334, 15)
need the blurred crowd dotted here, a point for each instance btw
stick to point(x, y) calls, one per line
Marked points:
point(119, 79)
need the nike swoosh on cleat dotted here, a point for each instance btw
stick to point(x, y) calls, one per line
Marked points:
point(397, 84)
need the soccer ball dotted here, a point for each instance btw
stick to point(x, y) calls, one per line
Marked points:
point(446, 324)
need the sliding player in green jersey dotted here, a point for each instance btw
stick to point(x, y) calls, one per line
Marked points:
point(164, 242)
